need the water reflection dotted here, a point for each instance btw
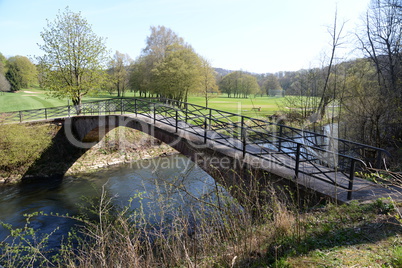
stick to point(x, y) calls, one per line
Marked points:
point(173, 178)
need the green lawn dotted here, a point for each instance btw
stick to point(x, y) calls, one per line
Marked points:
point(35, 98)
point(27, 99)
point(253, 107)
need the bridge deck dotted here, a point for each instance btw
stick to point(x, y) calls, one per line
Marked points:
point(363, 190)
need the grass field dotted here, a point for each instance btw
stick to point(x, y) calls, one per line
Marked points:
point(253, 107)
point(35, 98)
point(27, 99)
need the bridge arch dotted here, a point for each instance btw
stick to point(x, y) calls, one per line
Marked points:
point(80, 133)
point(242, 174)
point(237, 146)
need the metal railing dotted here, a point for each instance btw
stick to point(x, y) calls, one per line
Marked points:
point(305, 152)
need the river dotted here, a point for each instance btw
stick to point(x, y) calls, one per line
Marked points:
point(156, 179)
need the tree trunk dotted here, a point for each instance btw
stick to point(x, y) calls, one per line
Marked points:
point(77, 104)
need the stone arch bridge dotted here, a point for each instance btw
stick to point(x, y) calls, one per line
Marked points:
point(238, 147)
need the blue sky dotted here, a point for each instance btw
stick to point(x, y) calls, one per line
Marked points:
point(252, 35)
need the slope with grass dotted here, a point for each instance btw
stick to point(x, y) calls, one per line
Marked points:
point(36, 98)
point(28, 99)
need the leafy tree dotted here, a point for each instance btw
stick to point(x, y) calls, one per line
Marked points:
point(74, 60)
point(3, 62)
point(4, 84)
point(239, 84)
point(24, 72)
point(208, 81)
point(139, 77)
point(168, 67)
point(286, 80)
point(271, 83)
point(228, 84)
point(118, 71)
point(249, 85)
point(178, 73)
point(159, 41)
point(363, 109)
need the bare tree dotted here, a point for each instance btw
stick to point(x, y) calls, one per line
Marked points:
point(381, 42)
point(336, 38)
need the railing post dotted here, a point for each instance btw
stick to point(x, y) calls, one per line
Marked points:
point(351, 178)
point(205, 130)
point(20, 112)
point(186, 111)
point(177, 120)
point(45, 113)
point(121, 106)
point(154, 113)
point(135, 106)
point(280, 138)
point(210, 119)
point(378, 161)
point(243, 134)
point(241, 127)
point(297, 161)
point(69, 109)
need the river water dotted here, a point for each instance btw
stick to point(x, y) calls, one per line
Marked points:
point(156, 179)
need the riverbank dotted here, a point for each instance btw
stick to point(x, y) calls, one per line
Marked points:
point(120, 145)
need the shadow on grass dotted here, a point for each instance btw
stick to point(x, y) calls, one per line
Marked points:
point(54, 161)
point(328, 234)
